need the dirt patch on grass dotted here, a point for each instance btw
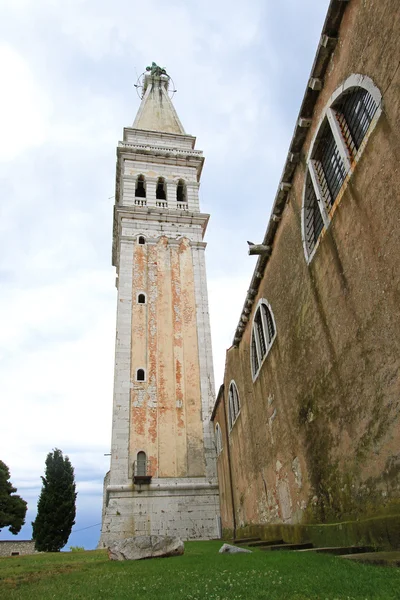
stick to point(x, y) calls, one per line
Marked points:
point(19, 579)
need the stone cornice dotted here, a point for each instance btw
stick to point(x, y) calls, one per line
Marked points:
point(160, 150)
point(163, 156)
point(154, 214)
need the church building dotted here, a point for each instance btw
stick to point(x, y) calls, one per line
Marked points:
point(307, 420)
point(162, 478)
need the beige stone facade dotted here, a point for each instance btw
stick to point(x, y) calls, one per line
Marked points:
point(316, 439)
point(162, 478)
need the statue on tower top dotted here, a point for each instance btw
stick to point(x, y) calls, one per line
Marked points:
point(156, 71)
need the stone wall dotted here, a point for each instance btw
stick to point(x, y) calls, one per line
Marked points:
point(186, 507)
point(317, 438)
point(16, 547)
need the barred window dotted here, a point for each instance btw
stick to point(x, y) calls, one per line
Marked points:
point(218, 438)
point(348, 117)
point(233, 404)
point(262, 336)
point(140, 189)
point(355, 110)
point(313, 223)
point(328, 165)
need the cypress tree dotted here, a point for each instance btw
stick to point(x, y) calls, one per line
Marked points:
point(12, 506)
point(56, 505)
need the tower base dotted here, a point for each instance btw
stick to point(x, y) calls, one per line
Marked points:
point(184, 507)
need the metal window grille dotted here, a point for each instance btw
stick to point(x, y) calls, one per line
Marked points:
point(260, 334)
point(329, 165)
point(254, 357)
point(355, 111)
point(313, 223)
point(268, 320)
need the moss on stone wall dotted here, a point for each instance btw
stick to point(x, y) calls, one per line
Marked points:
point(382, 532)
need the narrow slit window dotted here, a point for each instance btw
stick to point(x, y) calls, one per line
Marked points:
point(218, 438)
point(262, 336)
point(141, 464)
point(140, 375)
point(161, 193)
point(141, 299)
point(181, 191)
point(141, 239)
point(140, 190)
point(233, 404)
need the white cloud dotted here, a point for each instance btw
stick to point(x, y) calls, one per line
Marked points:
point(24, 108)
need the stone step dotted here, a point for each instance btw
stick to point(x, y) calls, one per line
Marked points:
point(265, 543)
point(287, 547)
point(386, 559)
point(340, 550)
point(245, 540)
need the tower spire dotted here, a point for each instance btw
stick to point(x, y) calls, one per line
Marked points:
point(156, 111)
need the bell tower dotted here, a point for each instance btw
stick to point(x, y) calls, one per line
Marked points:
point(162, 478)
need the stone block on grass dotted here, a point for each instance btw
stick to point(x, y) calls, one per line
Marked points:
point(228, 549)
point(145, 546)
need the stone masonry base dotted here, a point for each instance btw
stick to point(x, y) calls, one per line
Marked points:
point(187, 508)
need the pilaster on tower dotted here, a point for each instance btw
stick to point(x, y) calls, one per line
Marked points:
point(162, 478)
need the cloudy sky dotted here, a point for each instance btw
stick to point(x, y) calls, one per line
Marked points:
point(67, 75)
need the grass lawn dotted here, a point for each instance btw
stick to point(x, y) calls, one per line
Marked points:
point(200, 574)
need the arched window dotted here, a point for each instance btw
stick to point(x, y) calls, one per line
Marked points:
point(140, 189)
point(351, 113)
point(141, 239)
point(181, 195)
point(218, 438)
point(161, 192)
point(140, 375)
point(262, 336)
point(141, 464)
point(233, 404)
point(141, 299)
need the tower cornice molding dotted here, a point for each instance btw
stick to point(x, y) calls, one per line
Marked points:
point(162, 156)
point(160, 150)
point(159, 135)
point(153, 214)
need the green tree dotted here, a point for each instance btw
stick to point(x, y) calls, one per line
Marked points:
point(56, 505)
point(12, 507)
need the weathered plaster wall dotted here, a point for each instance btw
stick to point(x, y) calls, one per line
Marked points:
point(318, 434)
point(166, 409)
